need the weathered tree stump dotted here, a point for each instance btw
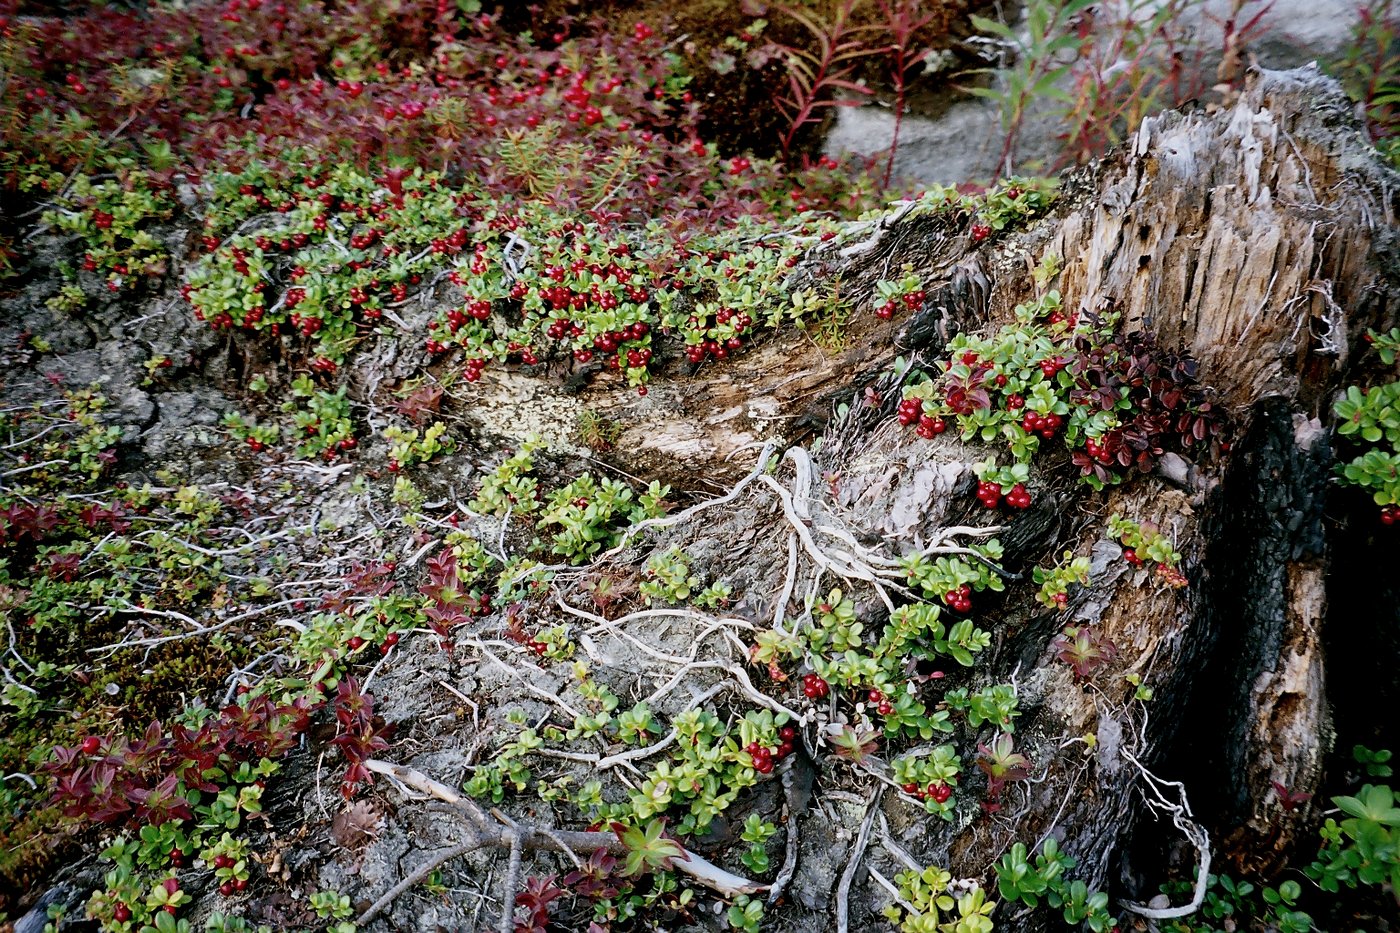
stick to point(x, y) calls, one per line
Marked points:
point(1259, 237)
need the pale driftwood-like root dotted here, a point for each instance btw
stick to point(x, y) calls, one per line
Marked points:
point(418, 874)
point(848, 877)
point(492, 833)
point(789, 868)
point(1180, 811)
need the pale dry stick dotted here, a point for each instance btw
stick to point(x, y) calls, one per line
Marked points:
point(611, 626)
point(804, 534)
point(848, 877)
point(542, 694)
point(601, 624)
point(612, 629)
point(893, 891)
point(374, 671)
point(669, 520)
point(958, 531)
point(418, 874)
point(587, 758)
point(789, 868)
point(236, 676)
point(34, 437)
point(789, 581)
point(690, 863)
point(227, 552)
point(34, 466)
point(894, 848)
point(882, 226)
point(10, 646)
point(512, 880)
point(747, 688)
point(860, 550)
point(1194, 832)
point(5, 671)
point(202, 630)
point(801, 481)
point(465, 699)
point(674, 682)
point(417, 555)
point(634, 754)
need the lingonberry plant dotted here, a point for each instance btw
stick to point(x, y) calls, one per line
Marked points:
point(1055, 581)
point(1119, 402)
point(1372, 417)
point(927, 905)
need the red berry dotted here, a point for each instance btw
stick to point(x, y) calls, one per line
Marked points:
point(356, 643)
point(940, 792)
point(911, 788)
point(121, 913)
point(90, 745)
point(763, 765)
point(226, 889)
point(787, 733)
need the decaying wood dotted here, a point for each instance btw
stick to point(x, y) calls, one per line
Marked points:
point(1255, 237)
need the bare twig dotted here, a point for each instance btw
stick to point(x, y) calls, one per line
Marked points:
point(1181, 817)
point(493, 834)
point(418, 874)
point(848, 877)
point(512, 880)
point(789, 868)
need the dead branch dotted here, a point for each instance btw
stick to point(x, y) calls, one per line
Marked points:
point(493, 834)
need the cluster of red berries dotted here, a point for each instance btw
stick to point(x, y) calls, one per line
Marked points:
point(911, 411)
point(1101, 449)
point(980, 232)
point(1390, 515)
point(232, 885)
point(814, 687)
point(390, 640)
point(1044, 425)
point(959, 599)
point(719, 349)
point(882, 703)
point(1018, 497)
point(989, 494)
point(913, 301)
point(1131, 556)
point(936, 790)
point(764, 757)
